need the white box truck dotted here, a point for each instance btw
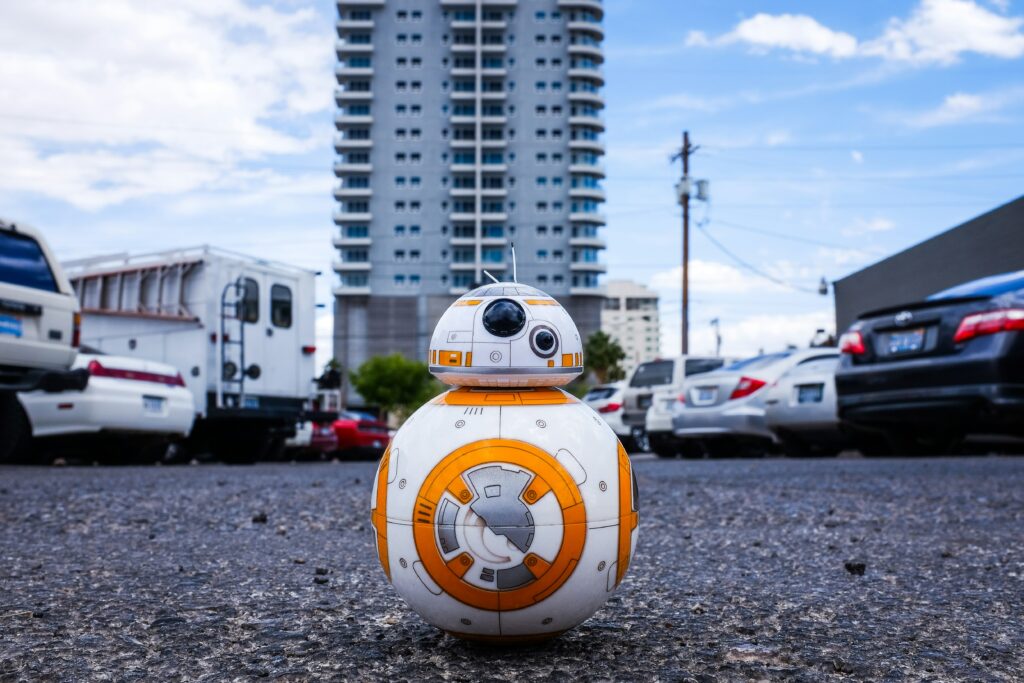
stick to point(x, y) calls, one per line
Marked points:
point(240, 329)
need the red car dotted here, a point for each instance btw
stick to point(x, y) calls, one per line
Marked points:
point(361, 432)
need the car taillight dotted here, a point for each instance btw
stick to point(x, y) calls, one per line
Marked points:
point(610, 408)
point(681, 398)
point(990, 322)
point(746, 387)
point(97, 369)
point(309, 350)
point(76, 330)
point(852, 343)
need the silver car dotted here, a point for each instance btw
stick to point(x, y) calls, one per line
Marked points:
point(800, 409)
point(606, 400)
point(723, 412)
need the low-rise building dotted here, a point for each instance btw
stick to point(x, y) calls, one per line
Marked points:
point(630, 316)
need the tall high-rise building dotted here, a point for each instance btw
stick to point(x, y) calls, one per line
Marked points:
point(464, 126)
point(630, 316)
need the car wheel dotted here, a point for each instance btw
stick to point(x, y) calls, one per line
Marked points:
point(16, 430)
point(628, 443)
point(794, 447)
point(643, 444)
point(917, 445)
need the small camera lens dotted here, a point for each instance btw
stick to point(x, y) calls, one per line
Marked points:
point(545, 340)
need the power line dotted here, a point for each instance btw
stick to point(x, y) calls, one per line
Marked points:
point(750, 267)
point(859, 147)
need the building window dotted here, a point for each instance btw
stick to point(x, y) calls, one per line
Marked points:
point(250, 309)
point(400, 281)
point(400, 255)
point(414, 231)
point(399, 230)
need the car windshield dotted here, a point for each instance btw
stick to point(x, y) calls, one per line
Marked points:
point(599, 393)
point(986, 286)
point(23, 263)
point(696, 366)
point(653, 373)
point(758, 362)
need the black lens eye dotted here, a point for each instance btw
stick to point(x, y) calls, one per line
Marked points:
point(544, 340)
point(504, 318)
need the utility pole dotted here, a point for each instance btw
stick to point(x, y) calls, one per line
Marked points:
point(683, 193)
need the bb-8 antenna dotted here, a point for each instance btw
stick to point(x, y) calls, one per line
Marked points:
point(492, 278)
point(514, 278)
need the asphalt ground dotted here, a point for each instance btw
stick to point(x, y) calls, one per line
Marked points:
point(901, 569)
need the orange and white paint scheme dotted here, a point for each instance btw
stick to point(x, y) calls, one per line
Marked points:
point(505, 512)
point(506, 335)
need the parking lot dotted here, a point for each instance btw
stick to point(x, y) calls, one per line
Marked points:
point(897, 569)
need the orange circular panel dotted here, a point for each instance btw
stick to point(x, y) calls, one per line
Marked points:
point(539, 475)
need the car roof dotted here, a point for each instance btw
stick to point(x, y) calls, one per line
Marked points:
point(993, 285)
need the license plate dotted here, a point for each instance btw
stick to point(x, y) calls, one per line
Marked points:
point(707, 394)
point(906, 342)
point(809, 393)
point(152, 405)
point(10, 326)
point(251, 402)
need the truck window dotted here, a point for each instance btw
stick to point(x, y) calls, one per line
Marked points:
point(280, 306)
point(23, 263)
point(653, 373)
point(250, 301)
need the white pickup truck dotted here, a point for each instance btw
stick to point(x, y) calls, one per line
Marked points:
point(39, 328)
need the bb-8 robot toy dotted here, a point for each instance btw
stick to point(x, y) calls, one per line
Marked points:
point(505, 509)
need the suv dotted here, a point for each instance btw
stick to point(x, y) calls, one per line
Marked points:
point(39, 327)
point(662, 381)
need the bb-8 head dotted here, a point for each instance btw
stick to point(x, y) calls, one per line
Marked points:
point(505, 508)
point(506, 334)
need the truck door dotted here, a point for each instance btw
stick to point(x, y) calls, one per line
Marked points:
point(280, 334)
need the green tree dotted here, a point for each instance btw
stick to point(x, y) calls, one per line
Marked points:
point(396, 384)
point(603, 355)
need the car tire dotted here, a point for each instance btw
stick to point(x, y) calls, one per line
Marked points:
point(628, 443)
point(915, 445)
point(15, 428)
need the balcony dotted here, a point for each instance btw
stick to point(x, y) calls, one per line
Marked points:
point(468, 216)
point(484, 241)
point(592, 27)
point(343, 47)
point(587, 169)
point(589, 121)
point(463, 95)
point(594, 242)
point(341, 95)
point(588, 266)
point(587, 217)
point(587, 193)
point(341, 167)
point(486, 144)
point(587, 145)
point(597, 290)
point(342, 72)
point(349, 290)
point(342, 241)
point(341, 120)
point(342, 192)
point(595, 6)
point(586, 97)
point(471, 25)
point(343, 143)
point(590, 73)
point(345, 25)
point(471, 3)
point(484, 192)
point(485, 168)
point(586, 50)
point(485, 265)
point(351, 266)
point(341, 217)
point(489, 48)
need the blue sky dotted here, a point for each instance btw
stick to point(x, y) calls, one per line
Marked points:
point(832, 134)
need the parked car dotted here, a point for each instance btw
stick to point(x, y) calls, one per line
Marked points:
point(663, 378)
point(607, 399)
point(723, 411)
point(39, 329)
point(312, 438)
point(926, 374)
point(361, 433)
point(800, 409)
point(126, 399)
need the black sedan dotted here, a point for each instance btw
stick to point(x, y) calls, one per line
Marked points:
point(923, 376)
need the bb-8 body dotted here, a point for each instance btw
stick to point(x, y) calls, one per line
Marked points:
point(505, 508)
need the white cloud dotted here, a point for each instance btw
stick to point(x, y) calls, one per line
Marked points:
point(148, 99)
point(795, 32)
point(710, 277)
point(857, 156)
point(936, 32)
point(962, 107)
point(939, 31)
point(748, 335)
